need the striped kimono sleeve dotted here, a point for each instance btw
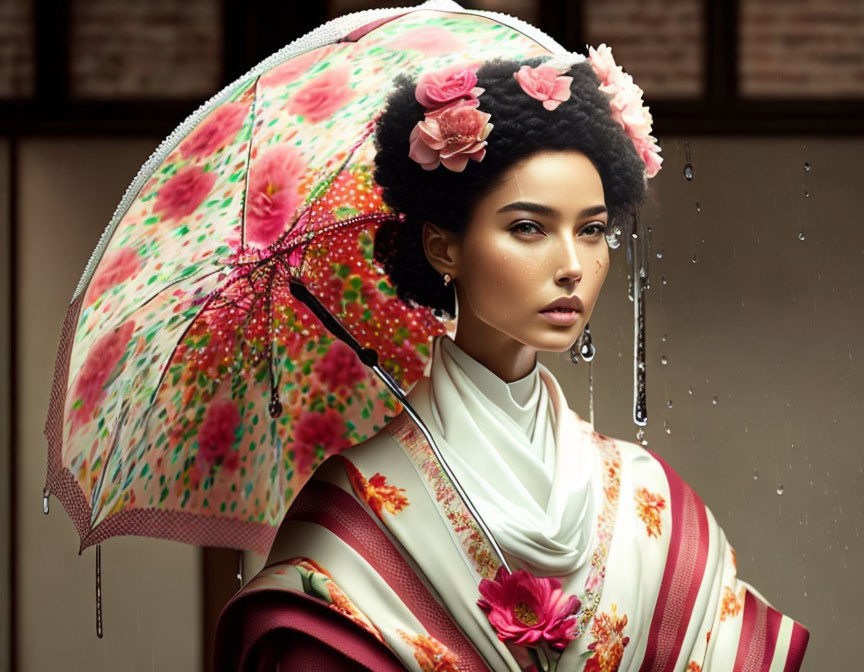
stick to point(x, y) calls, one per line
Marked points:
point(706, 619)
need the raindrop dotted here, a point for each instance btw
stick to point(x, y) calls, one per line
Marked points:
point(640, 436)
point(664, 337)
point(714, 400)
point(45, 494)
point(780, 489)
point(650, 229)
point(698, 207)
point(801, 235)
point(663, 360)
point(668, 403)
point(660, 253)
point(666, 427)
point(806, 194)
point(688, 172)
point(663, 280)
point(755, 474)
point(613, 242)
point(806, 167)
point(690, 390)
point(693, 259)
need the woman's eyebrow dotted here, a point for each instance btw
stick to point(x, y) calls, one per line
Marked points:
point(549, 211)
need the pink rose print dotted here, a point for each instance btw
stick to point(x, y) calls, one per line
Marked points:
point(291, 70)
point(220, 127)
point(451, 136)
point(436, 89)
point(544, 83)
point(116, 266)
point(218, 432)
point(340, 367)
point(273, 193)
point(323, 96)
point(314, 429)
point(104, 355)
point(529, 610)
point(432, 41)
point(183, 193)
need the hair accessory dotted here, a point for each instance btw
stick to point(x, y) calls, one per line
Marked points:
point(544, 83)
point(453, 130)
point(627, 106)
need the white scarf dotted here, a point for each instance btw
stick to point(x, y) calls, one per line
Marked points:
point(519, 452)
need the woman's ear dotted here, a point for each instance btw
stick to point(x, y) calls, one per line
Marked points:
point(442, 248)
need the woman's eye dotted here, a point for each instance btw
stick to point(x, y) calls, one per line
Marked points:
point(596, 228)
point(525, 227)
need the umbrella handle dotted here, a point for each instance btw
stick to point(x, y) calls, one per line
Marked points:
point(370, 358)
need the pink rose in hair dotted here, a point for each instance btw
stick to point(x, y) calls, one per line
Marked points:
point(450, 136)
point(436, 89)
point(544, 83)
point(529, 610)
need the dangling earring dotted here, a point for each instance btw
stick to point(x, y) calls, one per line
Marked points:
point(447, 279)
point(583, 346)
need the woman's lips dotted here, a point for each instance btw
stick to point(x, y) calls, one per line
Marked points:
point(564, 318)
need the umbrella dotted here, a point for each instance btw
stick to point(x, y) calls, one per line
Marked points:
point(196, 386)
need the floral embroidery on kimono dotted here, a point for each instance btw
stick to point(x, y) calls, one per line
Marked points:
point(731, 604)
point(376, 492)
point(318, 582)
point(431, 655)
point(609, 642)
point(649, 506)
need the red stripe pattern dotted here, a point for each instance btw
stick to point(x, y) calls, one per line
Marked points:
point(685, 567)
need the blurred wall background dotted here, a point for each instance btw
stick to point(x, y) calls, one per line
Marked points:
point(754, 320)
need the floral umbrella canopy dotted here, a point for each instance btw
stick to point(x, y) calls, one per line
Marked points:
point(193, 394)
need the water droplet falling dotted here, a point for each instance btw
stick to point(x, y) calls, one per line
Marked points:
point(780, 489)
point(806, 166)
point(640, 437)
point(663, 280)
point(714, 400)
point(801, 235)
point(668, 403)
point(698, 207)
point(663, 360)
point(693, 259)
point(660, 253)
point(666, 427)
point(688, 172)
point(637, 287)
point(45, 495)
point(755, 474)
point(806, 194)
point(690, 390)
point(99, 590)
point(240, 567)
point(664, 338)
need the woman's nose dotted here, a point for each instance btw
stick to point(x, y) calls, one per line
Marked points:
point(569, 269)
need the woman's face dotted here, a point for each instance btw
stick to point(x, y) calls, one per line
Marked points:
point(535, 238)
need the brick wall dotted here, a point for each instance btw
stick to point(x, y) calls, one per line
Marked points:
point(801, 48)
point(16, 49)
point(658, 42)
point(145, 49)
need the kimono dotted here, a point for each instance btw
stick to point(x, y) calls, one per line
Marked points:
point(378, 560)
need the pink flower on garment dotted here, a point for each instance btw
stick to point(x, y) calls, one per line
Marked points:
point(626, 106)
point(450, 136)
point(183, 193)
point(218, 432)
point(529, 610)
point(273, 193)
point(221, 127)
point(438, 88)
point(290, 71)
point(116, 266)
point(544, 83)
point(324, 95)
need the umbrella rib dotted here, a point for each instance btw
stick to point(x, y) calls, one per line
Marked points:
point(248, 167)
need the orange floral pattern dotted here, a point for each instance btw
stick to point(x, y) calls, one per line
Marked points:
point(731, 607)
point(734, 558)
point(376, 492)
point(649, 506)
point(609, 642)
point(318, 582)
point(693, 666)
point(431, 655)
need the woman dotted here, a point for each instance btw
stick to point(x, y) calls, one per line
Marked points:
point(614, 562)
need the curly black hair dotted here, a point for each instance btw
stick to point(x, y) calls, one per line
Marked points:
point(522, 127)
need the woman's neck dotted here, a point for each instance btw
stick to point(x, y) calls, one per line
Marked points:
point(507, 358)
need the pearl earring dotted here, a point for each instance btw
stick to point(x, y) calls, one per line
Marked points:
point(447, 279)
